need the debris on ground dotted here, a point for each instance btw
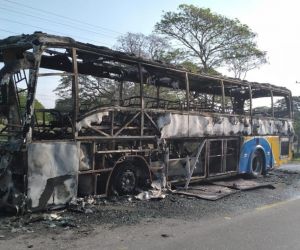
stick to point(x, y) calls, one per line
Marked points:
point(206, 191)
point(156, 192)
point(83, 205)
point(219, 189)
point(242, 184)
point(82, 215)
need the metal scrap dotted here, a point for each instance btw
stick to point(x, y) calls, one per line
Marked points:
point(242, 184)
point(207, 192)
point(156, 192)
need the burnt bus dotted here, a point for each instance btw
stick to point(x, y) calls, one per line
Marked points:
point(151, 121)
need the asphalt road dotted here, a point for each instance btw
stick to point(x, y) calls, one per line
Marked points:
point(272, 226)
point(275, 226)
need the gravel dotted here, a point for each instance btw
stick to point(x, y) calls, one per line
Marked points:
point(85, 214)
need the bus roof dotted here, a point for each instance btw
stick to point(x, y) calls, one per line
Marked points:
point(21, 43)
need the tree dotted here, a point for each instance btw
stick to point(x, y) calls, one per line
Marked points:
point(210, 38)
point(132, 43)
point(93, 91)
point(37, 104)
point(156, 48)
point(244, 60)
point(296, 109)
point(151, 47)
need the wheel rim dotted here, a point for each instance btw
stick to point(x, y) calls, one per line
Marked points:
point(127, 181)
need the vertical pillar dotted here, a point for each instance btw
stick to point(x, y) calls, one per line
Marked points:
point(272, 103)
point(32, 84)
point(75, 95)
point(157, 96)
point(223, 96)
point(121, 94)
point(250, 97)
point(142, 101)
point(289, 99)
point(187, 84)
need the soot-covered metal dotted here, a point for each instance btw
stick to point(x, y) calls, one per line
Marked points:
point(119, 147)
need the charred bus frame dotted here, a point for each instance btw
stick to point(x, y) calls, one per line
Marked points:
point(212, 131)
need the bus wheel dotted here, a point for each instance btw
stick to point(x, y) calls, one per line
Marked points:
point(257, 163)
point(125, 181)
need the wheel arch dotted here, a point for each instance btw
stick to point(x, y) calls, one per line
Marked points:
point(249, 148)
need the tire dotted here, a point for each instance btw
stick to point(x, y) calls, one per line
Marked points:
point(257, 163)
point(125, 181)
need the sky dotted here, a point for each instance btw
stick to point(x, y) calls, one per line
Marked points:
point(276, 22)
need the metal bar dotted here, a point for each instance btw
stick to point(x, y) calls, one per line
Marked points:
point(188, 99)
point(187, 90)
point(157, 96)
point(153, 123)
point(272, 104)
point(121, 101)
point(223, 96)
point(95, 177)
point(112, 123)
point(94, 171)
point(75, 94)
point(25, 78)
point(85, 138)
point(125, 151)
point(207, 153)
point(56, 74)
point(93, 156)
point(224, 154)
point(130, 121)
point(291, 109)
point(142, 99)
point(251, 118)
point(99, 131)
point(29, 108)
point(15, 94)
point(195, 163)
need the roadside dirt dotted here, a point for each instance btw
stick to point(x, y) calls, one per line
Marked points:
point(91, 213)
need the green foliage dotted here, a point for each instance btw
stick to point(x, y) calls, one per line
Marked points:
point(150, 47)
point(211, 39)
point(93, 92)
point(190, 66)
point(244, 59)
point(23, 99)
point(296, 106)
point(37, 104)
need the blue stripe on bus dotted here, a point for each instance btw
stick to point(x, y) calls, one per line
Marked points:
point(249, 148)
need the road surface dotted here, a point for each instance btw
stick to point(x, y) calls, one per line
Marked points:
point(272, 225)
